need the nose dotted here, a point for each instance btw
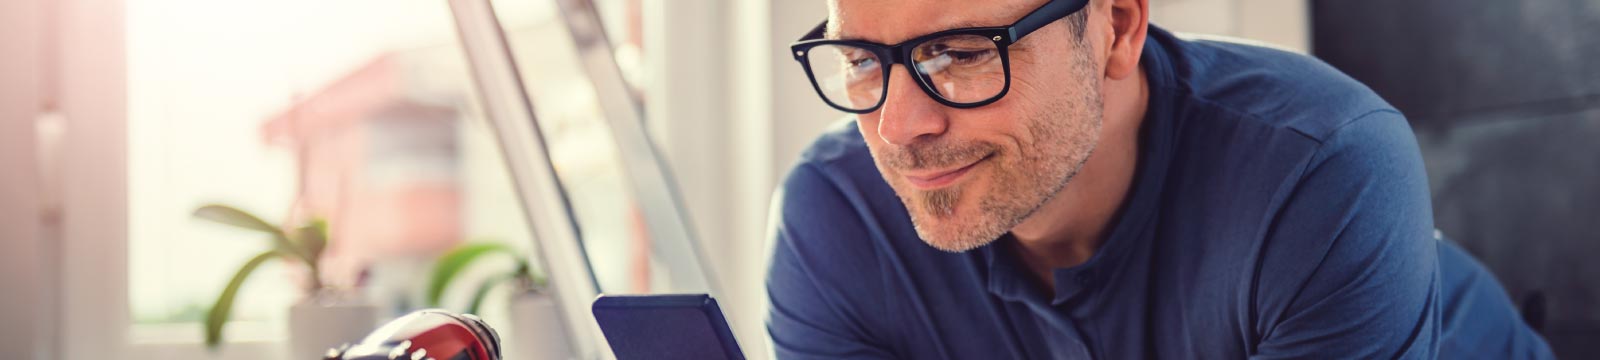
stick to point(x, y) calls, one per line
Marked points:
point(908, 114)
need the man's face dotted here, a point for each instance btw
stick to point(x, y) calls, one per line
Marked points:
point(967, 176)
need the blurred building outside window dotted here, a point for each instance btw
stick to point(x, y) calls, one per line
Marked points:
point(359, 111)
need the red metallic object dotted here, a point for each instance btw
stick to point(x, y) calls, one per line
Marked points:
point(425, 334)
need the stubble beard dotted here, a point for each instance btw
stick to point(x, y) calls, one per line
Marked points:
point(1065, 134)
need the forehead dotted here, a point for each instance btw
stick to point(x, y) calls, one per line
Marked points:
point(893, 21)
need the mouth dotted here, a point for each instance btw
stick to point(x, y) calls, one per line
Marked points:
point(932, 180)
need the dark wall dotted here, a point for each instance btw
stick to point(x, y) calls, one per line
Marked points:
point(1505, 98)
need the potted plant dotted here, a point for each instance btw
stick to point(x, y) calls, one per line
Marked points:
point(324, 318)
point(537, 330)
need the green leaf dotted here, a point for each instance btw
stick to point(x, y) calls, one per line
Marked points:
point(532, 280)
point(312, 239)
point(451, 264)
point(229, 215)
point(483, 290)
point(219, 313)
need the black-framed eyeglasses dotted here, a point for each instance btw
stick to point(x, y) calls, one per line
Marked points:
point(961, 68)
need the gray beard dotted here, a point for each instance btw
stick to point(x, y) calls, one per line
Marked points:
point(1065, 136)
point(1018, 192)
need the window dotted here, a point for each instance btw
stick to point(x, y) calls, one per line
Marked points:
point(579, 139)
point(358, 111)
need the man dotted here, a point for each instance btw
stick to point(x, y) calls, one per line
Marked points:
point(1058, 179)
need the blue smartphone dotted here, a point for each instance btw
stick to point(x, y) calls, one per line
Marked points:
point(665, 327)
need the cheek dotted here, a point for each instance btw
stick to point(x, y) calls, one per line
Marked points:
point(1041, 100)
point(1044, 75)
point(1004, 123)
point(1034, 90)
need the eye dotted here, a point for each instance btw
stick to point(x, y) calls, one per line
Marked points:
point(863, 63)
point(969, 57)
point(862, 67)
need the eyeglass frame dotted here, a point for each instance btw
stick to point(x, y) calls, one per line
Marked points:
point(1003, 37)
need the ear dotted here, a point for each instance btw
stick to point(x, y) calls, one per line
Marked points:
point(1129, 19)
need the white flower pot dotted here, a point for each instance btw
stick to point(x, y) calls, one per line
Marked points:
point(537, 329)
point(316, 326)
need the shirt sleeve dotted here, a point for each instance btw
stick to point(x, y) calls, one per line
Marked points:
point(1350, 268)
point(817, 244)
point(1478, 319)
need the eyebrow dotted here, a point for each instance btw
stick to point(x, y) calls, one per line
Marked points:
point(835, 33)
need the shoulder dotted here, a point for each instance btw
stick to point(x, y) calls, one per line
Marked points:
point(1278, 120)
point(838, 145)
point(828, 238)
point(1271, 86)
point(826, 210)
point(834, 174)
point(826, 177)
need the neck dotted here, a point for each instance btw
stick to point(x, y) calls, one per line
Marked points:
point(1068, 229)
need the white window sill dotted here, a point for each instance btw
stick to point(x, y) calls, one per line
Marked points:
point(242, 341)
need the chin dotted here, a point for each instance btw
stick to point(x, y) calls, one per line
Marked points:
point(963, 228)
point(953, 239)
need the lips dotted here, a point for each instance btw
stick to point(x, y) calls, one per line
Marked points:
point(930, 180)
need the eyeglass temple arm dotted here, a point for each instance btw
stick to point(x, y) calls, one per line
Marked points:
point(817, 32)
point(1052, 11)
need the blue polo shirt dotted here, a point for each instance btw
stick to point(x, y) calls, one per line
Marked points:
point(1279, 210)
